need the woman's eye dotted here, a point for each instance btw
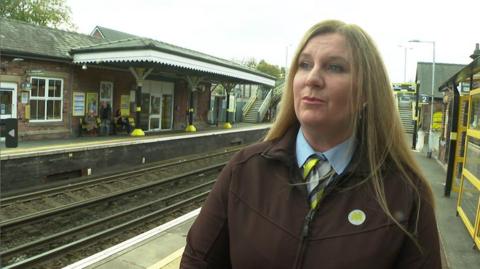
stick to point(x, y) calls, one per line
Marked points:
point(304, 65)
point(335, 68)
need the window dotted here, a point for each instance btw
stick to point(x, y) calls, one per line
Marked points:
point(46, 99)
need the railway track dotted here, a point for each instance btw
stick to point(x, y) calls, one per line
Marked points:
point(88, 188)
point(50, 234)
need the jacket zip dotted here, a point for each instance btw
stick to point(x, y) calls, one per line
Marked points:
point(303, 240)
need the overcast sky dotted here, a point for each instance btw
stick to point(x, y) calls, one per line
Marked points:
point(271, 29)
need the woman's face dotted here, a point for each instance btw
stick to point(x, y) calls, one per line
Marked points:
point(323, 84)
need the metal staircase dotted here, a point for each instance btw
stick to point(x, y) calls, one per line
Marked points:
point(252, 114)
point(406, 116)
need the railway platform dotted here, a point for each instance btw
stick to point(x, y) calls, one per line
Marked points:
point(159, 248)
point(36, 164)
point(163, 246)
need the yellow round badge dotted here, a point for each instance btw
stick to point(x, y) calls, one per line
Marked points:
point(357, 217)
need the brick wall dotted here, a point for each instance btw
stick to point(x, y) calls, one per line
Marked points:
point(21, 71)
point(76, 79)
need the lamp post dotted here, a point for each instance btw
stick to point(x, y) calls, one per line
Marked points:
point(404, 62)
point(286, 58)
point(430, 137)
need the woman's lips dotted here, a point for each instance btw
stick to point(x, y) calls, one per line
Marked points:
point(313, 100)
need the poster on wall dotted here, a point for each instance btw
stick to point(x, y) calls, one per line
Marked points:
point(92, 103)
point(79, 104)
point(125, 105)
point(106, 92)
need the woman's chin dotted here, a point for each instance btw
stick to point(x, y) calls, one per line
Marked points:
point(312, 121)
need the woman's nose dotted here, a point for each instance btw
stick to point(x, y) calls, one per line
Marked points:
point(315, 78)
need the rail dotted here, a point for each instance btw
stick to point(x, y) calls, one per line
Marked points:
point(122, 216)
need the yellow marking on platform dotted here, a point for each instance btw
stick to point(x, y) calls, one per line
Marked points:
point(62, 146)
point(169, 262)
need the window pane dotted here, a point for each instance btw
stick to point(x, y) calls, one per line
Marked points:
point(475, 113)
point(41, 110)
point(37, 85)
point(58, 88)
point(154, 123)
point(33, 109)
point(473, 156)
point(41, 88)
point(469, 200)
point(57, 110)
point(49, 109)
point(6, 102)
point(54, 88)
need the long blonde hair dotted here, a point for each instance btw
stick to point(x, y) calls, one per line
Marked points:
point(379, 128)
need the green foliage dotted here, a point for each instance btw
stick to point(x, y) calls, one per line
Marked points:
point(252, 63)
point(270, 69)
point(219, 90)
point(263, 66)
point(52, 13)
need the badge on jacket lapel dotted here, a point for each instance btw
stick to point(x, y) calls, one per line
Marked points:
point(357, 217)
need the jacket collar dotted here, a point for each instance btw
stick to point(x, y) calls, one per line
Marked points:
point(283, 149)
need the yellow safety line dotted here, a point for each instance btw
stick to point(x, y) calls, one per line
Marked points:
point(66, 146)
point(167, 260)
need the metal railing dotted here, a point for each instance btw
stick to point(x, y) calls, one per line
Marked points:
point(249, 105)
point(264, 106)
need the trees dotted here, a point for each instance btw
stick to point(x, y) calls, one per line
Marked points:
point(53, 13)
point(264, 67)
point(270, 69)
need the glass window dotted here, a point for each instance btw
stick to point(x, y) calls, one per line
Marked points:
point(46, 100)
point(6, 102)
point(472, 162)
point(469, 200)
point(475, 113)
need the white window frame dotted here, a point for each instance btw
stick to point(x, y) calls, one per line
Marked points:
point(46, 98)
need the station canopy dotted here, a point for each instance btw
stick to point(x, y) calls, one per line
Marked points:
point(168, 61)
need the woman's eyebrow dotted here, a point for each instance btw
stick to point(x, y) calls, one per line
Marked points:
point(304, 55)
point(337, 58)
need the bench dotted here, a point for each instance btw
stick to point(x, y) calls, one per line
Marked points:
point(84, 128)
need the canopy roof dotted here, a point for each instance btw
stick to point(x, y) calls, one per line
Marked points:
point(120, 50)
point(144, 51)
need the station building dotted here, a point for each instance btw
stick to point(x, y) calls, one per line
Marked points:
point(51, 79)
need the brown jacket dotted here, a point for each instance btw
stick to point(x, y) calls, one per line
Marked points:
point(255, 218)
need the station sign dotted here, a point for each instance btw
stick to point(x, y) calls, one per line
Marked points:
point(424, 99)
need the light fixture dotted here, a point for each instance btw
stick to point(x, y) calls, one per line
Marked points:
point(84, 67)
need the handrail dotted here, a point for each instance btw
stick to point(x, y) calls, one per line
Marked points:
point(264, 106)
point(249, 105)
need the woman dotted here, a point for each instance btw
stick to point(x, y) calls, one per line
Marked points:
point(374, 209)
